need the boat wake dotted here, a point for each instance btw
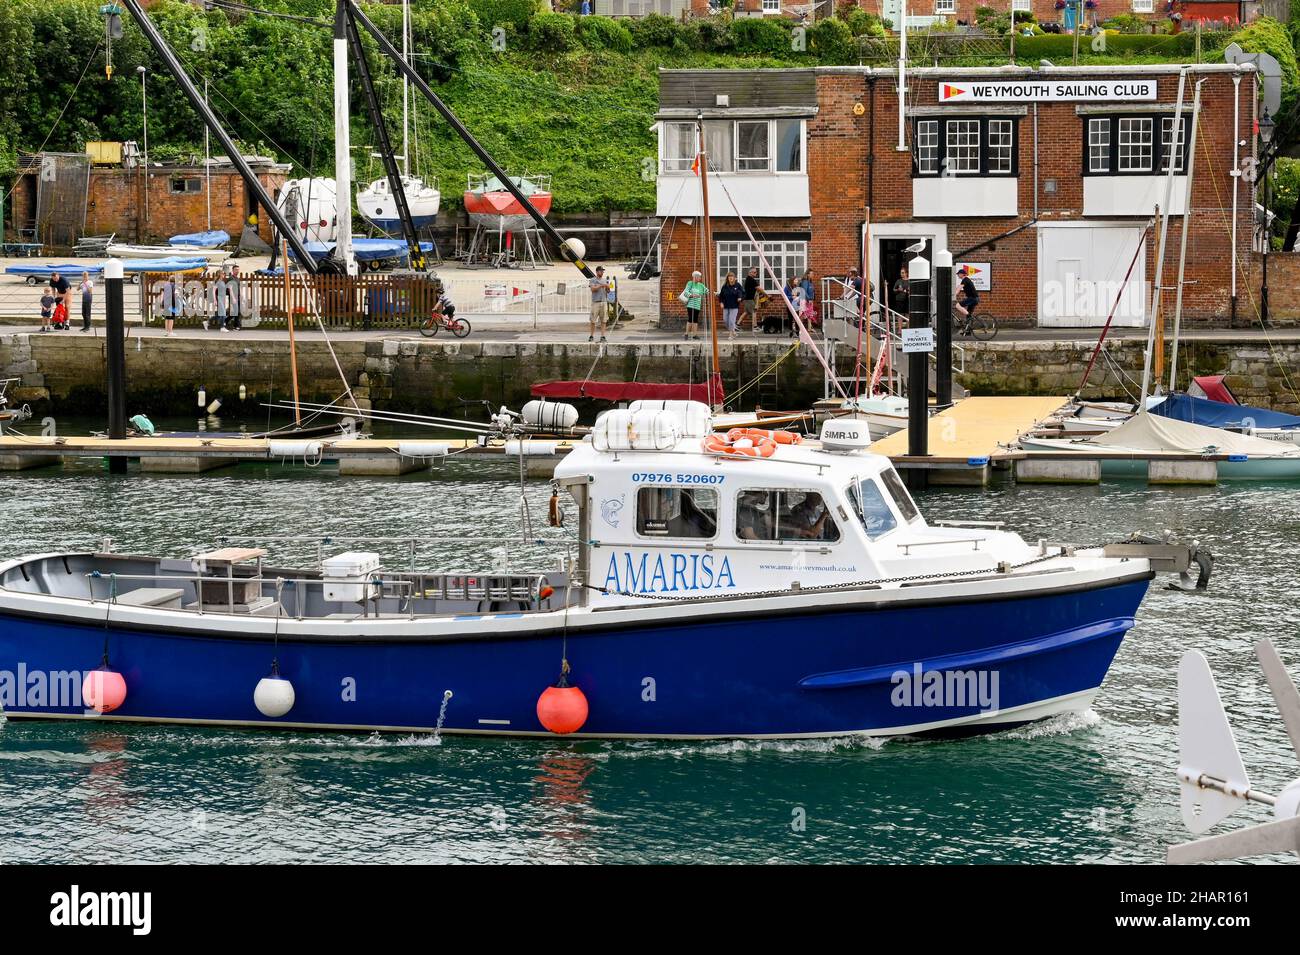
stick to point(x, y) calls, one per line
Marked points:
point(1061, 725)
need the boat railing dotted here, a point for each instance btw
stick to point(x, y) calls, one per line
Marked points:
point(471, 587)
point(410, 545)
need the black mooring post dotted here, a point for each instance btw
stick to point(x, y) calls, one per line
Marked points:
point(943, 328)
point(115, 353)
point(918, 369)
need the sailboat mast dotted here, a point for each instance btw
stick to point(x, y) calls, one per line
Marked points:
point(342, 145)
point(1182, 240)
point(1155, 331)
point(207, 160)
point(406, 89)
point(711, 270)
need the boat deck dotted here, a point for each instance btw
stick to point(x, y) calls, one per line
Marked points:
point(968, 439)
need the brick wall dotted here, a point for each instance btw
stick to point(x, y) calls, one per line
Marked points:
point(846, 175)
point(116, 200)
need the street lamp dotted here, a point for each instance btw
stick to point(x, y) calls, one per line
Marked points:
point(144, 104)
point(1266, 128)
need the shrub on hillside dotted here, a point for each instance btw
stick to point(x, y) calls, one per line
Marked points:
point(862, 23)
point(654, 29)
point(759, 35)
point(1267, 35)
point(709, 33)
point(832, 41)
point(604, 33)
point(552, 33)
point(492, 13)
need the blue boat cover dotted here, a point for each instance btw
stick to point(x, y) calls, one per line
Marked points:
point(204, 240)
point(1218, 414)
point(365, 250)
point(48, 270)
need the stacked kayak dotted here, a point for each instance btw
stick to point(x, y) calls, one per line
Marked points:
point(201, 240)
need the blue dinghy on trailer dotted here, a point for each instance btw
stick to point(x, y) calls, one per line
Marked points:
point(719, 586)
point(212, 239)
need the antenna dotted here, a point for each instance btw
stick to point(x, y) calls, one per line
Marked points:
point(1211, 778)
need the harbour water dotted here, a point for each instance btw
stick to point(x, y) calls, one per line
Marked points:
point(1095, 788)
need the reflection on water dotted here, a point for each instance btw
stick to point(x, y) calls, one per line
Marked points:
point(1097, 787)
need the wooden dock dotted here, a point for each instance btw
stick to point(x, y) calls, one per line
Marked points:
point(967, 440)
point(194, 455)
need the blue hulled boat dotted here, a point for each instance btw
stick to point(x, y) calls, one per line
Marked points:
point(721, 586)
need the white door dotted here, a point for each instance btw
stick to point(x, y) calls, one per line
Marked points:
point(891, 10)
point(1081, 275)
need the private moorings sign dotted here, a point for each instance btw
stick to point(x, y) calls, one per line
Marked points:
point(1047, 91)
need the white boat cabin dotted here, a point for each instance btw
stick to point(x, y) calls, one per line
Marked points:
point(664, 518)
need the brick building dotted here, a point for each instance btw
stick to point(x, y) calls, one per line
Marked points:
point(112, 199)
point(1043, 180)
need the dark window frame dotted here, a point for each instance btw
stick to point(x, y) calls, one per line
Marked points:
point(638, 524)
point(1157, 147)
point(983, 172)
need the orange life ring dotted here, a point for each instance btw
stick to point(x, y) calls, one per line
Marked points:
point(780, 437)
point(757, 443)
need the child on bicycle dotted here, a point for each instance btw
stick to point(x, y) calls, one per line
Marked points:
point(967, 296)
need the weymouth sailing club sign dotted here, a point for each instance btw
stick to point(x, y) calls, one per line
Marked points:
point(1046, 91)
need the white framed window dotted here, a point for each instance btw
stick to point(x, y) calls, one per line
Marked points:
point(786, 257)
point(1143, 6)
point(1168, 147)
point(945, 6)
point(677, 147)
point(962, 155)
point(1025, 5)
point(752, 152)
point(1001, 137)
point(771, 6)
point(719, 139)
point(927, 146)
point(964, 146)
point(1099, 145)
point(787, 134)
point(1136, 145)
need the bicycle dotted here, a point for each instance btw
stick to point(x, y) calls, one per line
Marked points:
point(436, 322)
point(974, 325)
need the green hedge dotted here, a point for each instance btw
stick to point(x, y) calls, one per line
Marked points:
point(553, 33)
point(760, 35)
point(654, 29)
point(604, 33)
point(1266, 35)
point(492, 13)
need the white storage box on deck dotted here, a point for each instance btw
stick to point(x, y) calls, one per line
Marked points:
point(347, 576)
point(636, 431)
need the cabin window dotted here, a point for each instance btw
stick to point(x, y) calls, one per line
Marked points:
point(894, 485)
point(677, 512)
point(784, 515)
point(872, 508)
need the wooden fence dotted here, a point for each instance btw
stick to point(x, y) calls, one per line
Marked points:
point(342, 301)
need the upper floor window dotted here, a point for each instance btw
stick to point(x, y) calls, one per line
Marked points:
point(771, 6)
point(1019, 5)
point(945, 6)
point(964, 146)
point(1143, 6)
point(1134, 145)
point(786, 515)
point(676, 512)
point(746, 145)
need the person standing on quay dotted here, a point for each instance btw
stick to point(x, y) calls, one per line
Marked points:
point(751, 299)
point(599, 304)
point(731, 295)
point(87, 300)
point(693, 298)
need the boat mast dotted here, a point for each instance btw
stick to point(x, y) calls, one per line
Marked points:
point(1155, 332)
point(711, 268)
point(406, 88)
point(207, 159)
point(342, 146)
point(1182, 239)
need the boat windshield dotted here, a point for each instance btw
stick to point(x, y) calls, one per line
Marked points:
point(894, 485)
point(872, 509)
